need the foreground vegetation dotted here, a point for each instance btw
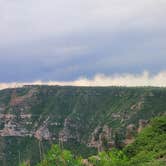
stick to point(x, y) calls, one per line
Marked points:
point(148, 149)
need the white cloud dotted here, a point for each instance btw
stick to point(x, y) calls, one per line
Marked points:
point(129, 80)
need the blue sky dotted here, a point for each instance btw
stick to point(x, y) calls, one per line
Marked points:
point(65, 40)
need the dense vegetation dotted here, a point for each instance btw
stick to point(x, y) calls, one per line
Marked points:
point(87, 117)
point(148, 149)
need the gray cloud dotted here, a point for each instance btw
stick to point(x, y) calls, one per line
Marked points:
point(31, 20)
point(63, 40)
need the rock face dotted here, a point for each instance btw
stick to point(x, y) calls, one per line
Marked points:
point(99, 136)
point(142, 124)
point(64, 134)
point(12, 127)
point(18, 100)
point(130, 130)
point(43, 132)
point(91, 117)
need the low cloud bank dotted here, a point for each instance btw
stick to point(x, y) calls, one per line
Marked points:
point(129, 80)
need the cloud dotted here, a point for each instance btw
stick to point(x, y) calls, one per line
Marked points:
point(63, 40)
point(35, 20)
point(129, 80)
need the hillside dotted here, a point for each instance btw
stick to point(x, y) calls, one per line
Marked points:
point(148, 149)
point(82, 119)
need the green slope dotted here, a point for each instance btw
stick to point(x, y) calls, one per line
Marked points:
point(80, 113)
point(148, 149)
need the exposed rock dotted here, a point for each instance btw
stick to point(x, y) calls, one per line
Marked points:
point(10, 129)
point(137, 106)
point(131, 130)
point(99, 135)
point(130, 134)
point(94, 140)
point(25, 116)
point(16, 100)
point(67, 133)
point(55, 124)
point(42, 133)
point(142, 124)
point(7, 116)
point(14, 128)
point(116, 115)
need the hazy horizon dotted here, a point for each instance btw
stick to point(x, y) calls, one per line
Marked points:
point(126, 79)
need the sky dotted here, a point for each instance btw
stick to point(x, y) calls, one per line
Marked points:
point(68, 41)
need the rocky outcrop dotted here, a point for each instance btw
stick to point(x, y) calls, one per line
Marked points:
point(99, 136)
point(43, 133)
point(12, 127)
point(142, 124)
point(137, 106)
point(130, 130)
point(17, 100)
point(69, 131)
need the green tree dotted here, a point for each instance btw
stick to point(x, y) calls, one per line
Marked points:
point(58, 157)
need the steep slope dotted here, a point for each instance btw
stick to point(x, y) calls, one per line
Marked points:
point(79, 118)
point(148, 149)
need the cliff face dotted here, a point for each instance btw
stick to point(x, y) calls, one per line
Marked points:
point(87, 117)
